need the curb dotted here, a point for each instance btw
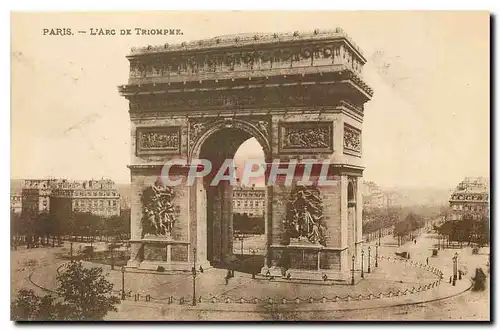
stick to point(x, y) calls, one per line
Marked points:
point(40, 287)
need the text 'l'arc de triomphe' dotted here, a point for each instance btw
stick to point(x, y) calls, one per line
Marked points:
point(299, 95)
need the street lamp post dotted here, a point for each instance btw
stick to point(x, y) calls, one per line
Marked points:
point(379, 235)
point(369, 265)
point(112, 257)
point(194, 276)
point(123, 283)
point(362, 272)
point(241, 241)
point(376, 256)
point(253, 251)
point(352, 270)
point(455, 267)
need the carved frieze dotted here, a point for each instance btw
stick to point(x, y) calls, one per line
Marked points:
point(238, 99)
point(306, 136)
point(157, 140)
point(246, 60)
point(158, 210)
point(352, 140)
point(304, 218)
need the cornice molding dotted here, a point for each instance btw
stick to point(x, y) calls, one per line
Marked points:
point(250, 39)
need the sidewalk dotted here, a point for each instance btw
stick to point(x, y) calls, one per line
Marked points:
point(394, 277)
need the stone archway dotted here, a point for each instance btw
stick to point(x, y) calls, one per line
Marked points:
point(301, 95)
point(216, 141)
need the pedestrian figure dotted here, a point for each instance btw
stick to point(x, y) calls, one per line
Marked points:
point(450, 279)
point(415, 241)
point(427, 260)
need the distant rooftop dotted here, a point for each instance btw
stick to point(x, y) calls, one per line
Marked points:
point(59, 183)
point(473, 185)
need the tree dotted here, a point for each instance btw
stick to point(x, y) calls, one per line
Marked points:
point(118, 226)
point(15, 227)
point(86, 292)
point(479, 280)
point(124, 228)
point(444, 229)
point(30, 307)
point(482, 231)
point(86, 224)
point(401, 229)
point(44, 226)
point(64, 222)
point(84, 295)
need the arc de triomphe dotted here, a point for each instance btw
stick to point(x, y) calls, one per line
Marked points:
point(300, 95)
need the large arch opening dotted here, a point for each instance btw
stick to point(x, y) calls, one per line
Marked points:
point(225, 245)
point(249, 203)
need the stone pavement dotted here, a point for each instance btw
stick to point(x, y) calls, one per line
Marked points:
point(391, 276)
point(23, 262)
point(130, 310)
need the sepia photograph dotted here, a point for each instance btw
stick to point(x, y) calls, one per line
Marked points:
point(250, 166)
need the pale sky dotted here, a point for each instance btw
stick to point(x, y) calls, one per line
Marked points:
point(427, 124)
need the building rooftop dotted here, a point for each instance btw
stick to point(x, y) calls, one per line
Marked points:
point(69, 184)
point(473, 185)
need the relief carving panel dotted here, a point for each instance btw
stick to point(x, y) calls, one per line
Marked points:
point(159, 214)
point(304, 219)
point(158, 140)
point(306, 136)
point(352, 140)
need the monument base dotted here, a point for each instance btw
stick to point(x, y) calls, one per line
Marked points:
point(303, 260)
point(163, 253)
point(318, 275)
point(172, 266)
point(271, 271)
point(133, 264)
